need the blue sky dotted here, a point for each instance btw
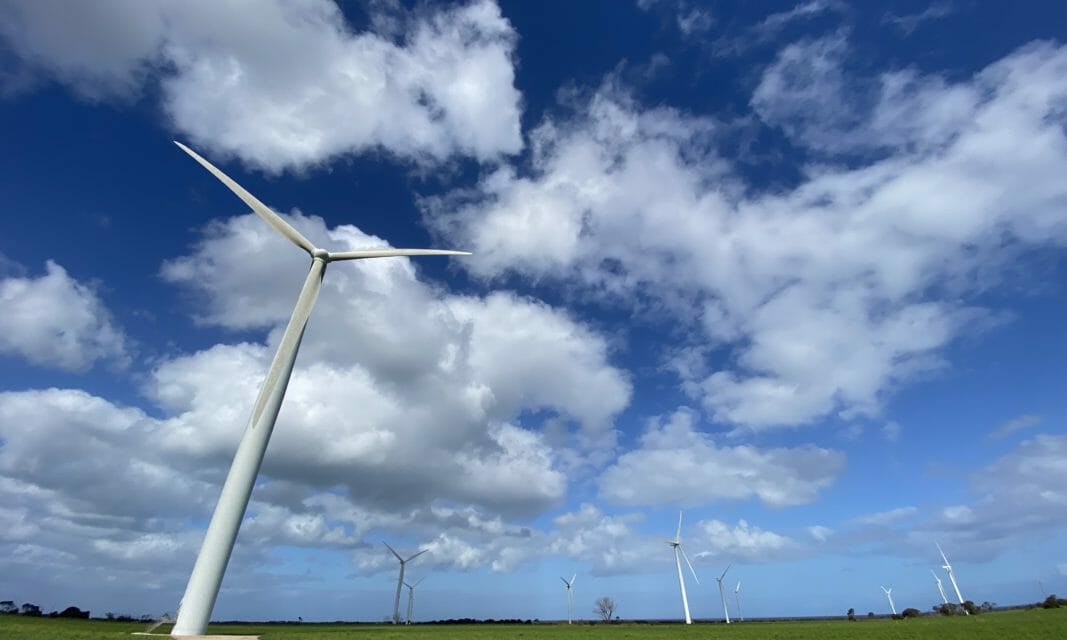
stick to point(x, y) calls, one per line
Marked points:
point(795, 269)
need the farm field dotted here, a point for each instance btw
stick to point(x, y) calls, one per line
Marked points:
point(1036, 624)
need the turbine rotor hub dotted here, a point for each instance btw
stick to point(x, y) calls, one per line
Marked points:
point(321, 253)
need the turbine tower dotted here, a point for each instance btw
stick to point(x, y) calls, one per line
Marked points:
point(411, 596)
point(722, 594)
point(679, 553)
point(570, 596)
point(400, 580)
point(889, 594)
point(194, 612)
point(940, 588)
point(737, 599)
point(951, 575)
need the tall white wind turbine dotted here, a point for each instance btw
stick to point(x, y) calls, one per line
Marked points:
point(194, 612)
point(737, 599)
point(940, 589)
point(951, 575)
point(889, 594)
point(722, 594)
point(411, 596)
point(679, 553)
point(570, 596)
point(400, 579)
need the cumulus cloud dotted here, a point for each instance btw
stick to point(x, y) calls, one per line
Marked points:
point(675, 463)
point(742, 542)
point(826, 296)
point(288, 84)
point(55, 321)
point(406, 401)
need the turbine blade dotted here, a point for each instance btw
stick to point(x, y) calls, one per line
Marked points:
point(678, 536)
point(262, 210)
point(418, 581)
point(947, 566)
point(738, 587)
point(573, 578)
point(691, 569)
point(393, 550)
point(294, 333)
point(416, 555)
point(724, 572)
point(389, 253)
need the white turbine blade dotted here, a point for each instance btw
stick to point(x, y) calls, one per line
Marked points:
point(947, 566)
point(691, 569)
point(678, 536)
point(418, 581)
point(389, 253)
point(738, 587)
point(394, 551)
point(290, 340)
point(724, 572)
point(262, 210)
point(573, 578)
point(416, 555)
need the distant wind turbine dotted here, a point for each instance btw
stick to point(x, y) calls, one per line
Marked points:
point(737, 599)
point(570, 596)
point(722, 593)
point(411, 596)
point(679, 553)
point(400, 580)
point(940, 588)
point(951, 575)
point(889, 594)
point(194, 612)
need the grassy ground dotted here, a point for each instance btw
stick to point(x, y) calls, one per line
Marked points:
point(1036, 624)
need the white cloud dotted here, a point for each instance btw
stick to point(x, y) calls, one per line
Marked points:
point(287, 84)
point(1019, 496)
point(742, 542)
point(55, 321)
point(827, 296)
point(405, 401)
point(910, 22)
point(1009, 427)
point(819, 532)
point(608, 543)
point(677, 464)
point(884, 518)
point(891, 431)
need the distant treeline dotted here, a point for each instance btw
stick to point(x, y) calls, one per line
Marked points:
point(8, 607)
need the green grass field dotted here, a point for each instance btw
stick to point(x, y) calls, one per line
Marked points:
point(1035, 624)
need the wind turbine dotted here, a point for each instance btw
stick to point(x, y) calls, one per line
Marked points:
point(722, 593)
point(194, 612)
point(570, 596)
point(889, 594)
point(951, 575)
point(737, 599)
point(940, 589)
point(400, 581)
point(679, 553)
point(411, 596)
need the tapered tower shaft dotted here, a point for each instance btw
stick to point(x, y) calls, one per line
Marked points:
point(399, 586)
point(681, 584)
point(194, 612)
